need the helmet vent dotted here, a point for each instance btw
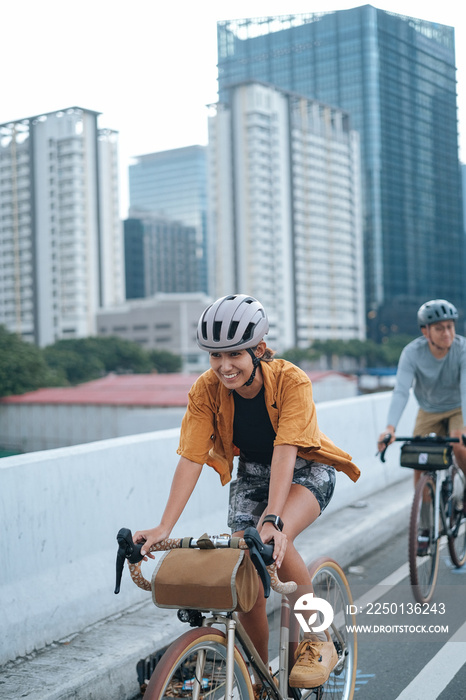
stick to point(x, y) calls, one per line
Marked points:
point(249, 331)
point(232, 329)
point(217, 330)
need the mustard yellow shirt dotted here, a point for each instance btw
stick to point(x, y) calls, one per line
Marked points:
point(207, 427)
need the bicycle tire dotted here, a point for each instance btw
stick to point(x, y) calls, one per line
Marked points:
point(457, 540)
point(329, 582)
point(423, 569)
point(175, 672)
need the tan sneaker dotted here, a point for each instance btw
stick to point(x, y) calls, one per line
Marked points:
point(315, 660)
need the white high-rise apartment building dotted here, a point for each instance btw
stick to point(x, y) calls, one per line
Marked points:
point(61, 241)
point(285, 213)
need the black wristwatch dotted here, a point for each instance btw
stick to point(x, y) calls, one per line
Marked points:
point(276, 521)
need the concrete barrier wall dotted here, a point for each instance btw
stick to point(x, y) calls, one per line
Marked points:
point(33, 427)
point(29, 427)
point(60, 511)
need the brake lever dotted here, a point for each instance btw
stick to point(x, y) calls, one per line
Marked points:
point(126, 550)
point(386, 440)
point(261, 556)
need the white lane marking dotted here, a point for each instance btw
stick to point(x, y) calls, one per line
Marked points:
point(389, 582)
point(441, 669)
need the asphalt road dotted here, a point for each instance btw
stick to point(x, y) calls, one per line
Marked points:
point(403, 661)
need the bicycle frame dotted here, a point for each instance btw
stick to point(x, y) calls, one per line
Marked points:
point(235, 631)
point(440, 506)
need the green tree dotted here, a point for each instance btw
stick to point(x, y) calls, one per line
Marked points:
point(300, 356)
point(73, 362)
point(366, 352)
point(84, 359)
point(119, 355)
point(393, 347)
point(22, 366)
point(329, 348)
point(165, 362)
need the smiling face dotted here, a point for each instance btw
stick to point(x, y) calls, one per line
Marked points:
point(440, 335)
point(233, 368)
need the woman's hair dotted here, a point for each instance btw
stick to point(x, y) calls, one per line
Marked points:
point(268, 355)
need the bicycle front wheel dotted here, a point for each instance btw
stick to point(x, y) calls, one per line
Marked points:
point(423, 545)
point(194, 666)
point(457, 532)
point(329, 582)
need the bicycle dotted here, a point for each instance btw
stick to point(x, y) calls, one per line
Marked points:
point(206, 662)
point(438, 509)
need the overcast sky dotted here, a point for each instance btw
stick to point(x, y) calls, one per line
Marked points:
point(150, 66)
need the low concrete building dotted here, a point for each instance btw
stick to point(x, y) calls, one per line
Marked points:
point(162, 322)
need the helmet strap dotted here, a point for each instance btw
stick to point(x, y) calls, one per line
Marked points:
point(256, 362)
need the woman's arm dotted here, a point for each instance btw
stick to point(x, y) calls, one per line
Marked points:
point(281, 476)
point(184, 480)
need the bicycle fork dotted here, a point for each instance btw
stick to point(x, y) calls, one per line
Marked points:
point(231, 628)
point(438, 484)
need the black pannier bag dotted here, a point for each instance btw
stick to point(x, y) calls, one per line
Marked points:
point(427, 457)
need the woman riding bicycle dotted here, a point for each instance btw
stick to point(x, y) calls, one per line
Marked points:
point(260, 408)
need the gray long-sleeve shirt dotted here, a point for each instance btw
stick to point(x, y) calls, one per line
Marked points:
point(439, 385)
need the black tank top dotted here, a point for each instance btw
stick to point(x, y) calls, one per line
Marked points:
point(253, 433)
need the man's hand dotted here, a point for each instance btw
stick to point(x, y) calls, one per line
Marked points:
point(386, 438)
point(459, 449)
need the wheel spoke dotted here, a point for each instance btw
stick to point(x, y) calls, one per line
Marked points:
point(198, 671)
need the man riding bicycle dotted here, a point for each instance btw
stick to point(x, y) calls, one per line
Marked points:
point(436, 364)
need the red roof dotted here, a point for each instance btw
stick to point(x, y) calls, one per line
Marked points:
point(127, 390)
point(122, 390)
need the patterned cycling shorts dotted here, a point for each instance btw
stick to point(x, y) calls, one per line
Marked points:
point(249, 493)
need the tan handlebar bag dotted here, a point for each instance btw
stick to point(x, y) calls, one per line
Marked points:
point(217, 580)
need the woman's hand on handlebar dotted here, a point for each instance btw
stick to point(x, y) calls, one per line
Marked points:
point(149, 538)
point(268, 533)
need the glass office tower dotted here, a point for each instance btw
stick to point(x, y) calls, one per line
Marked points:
point(173, 185)
point(395, 75)
point(160, 257)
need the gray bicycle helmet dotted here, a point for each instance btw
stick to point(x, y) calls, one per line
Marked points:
point(236, 321)
point(436, 310)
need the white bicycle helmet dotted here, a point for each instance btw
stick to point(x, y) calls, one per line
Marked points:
point(235, 321)
point(436, 310)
